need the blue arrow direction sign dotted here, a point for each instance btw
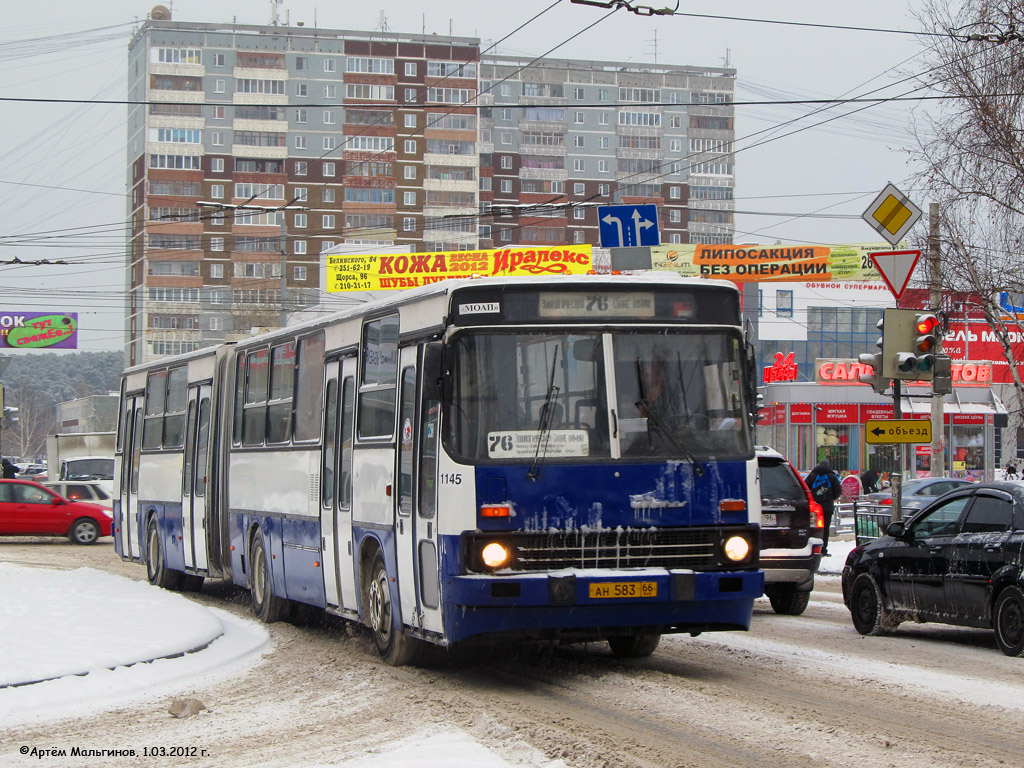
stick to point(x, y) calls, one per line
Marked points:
point(624, 226)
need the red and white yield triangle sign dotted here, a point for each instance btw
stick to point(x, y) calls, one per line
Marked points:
point(896, 267)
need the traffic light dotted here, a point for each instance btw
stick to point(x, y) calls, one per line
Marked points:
point(878, 382)
point(909, 339)
point(942, 375)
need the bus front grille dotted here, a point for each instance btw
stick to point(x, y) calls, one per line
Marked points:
point(645, 548)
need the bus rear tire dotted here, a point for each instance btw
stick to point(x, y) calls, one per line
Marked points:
point(156, 561)
point(634, 646)
point(394, 646)
point(267, 606)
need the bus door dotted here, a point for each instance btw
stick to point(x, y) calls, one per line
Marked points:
point(195, 476)
point(405, 521)
point(128, 522)
point(336, 486)
point(415, 524)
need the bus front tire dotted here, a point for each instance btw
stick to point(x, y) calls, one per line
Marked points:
point(156, 561)
point(634, 646)
point(267, 606)
point(394, 646)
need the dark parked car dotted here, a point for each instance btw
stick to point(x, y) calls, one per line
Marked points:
point(791, 533)
point(958, 561)
point(917, 493)
point(29, 509)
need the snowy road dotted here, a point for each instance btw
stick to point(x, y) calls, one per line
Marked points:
point(795, 692)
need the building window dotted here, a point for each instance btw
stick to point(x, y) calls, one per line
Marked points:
point(217, 219)
point(577, 236)
point(579, 141)
point(410, 69)
point(579, 118)
point(301, 63)
point(506, 235)
point(329, 142)
point(301, 89)
point(410, 95)
point(506, 161)
point(603, 189)
point(300, 247)
point(409, 172)
point(675, 215)
point(578, 213)
point(506, 114)
point(578, 93)
point(217, 138)
point(577, 189)
point(410, 121)
point(300, 142)
point(604, 142)
point(602, 118)
point(485, 183)
point(300, 116)
point(328, 117)
point(557, 187)
point(328, 196)
point(328, 221)
point(675, 145)
point(506, 137)
point(506, 186)
point(216, 244)
point(408, 224)
point(602, 166)
point(673, 193)
point(409, 198)
point(217, 191)
point(484, 231)
point(329, 166)
point(410, 146)
point(330, 91)
point(330, 65)
point(218, 113)
point(784, 303)
point(675, 237)
point(602, 94)
point(215, 323)
point(300, 167)
point(300, 192)
point(219, 86)
point(218, 60)
point(217, 165)
point(579, 165)
point(300, 221)
point(299, 274)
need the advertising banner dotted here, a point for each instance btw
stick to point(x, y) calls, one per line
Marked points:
point(377, 272)
point(38, 330)
point(771, 263)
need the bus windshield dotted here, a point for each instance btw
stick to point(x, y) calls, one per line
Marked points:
point(675, 394)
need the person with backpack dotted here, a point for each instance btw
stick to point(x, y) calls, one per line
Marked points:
point(825, 489)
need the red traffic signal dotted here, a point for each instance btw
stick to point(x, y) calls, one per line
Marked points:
point(926, 327)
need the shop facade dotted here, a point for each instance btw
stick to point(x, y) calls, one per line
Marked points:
point(824, 419)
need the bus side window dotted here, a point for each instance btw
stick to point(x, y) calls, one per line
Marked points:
point(347, 411)
point(330, 444)
point(255, 408)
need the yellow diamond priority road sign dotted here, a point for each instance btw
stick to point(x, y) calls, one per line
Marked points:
point(898, 431)
point(892, 214)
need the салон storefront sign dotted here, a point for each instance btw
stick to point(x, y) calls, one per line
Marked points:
point(848, 371)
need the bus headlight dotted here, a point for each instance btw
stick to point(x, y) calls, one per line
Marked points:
point(495, 555)
point(736, 548)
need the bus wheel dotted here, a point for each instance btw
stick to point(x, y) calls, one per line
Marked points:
point(393, 645)
point(634, 646)
point(156, 563)
point(267, 606)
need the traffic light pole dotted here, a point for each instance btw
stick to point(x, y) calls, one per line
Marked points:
point(937, 463)
point(896, 477)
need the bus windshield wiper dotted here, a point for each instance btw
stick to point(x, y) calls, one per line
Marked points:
point(657, 428)
point(546, 417)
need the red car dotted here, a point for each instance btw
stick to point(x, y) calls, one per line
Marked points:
point(29, 509)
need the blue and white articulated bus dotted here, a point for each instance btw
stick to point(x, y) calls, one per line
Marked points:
point(564, 459)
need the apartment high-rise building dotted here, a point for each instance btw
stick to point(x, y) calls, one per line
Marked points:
point(252, 149)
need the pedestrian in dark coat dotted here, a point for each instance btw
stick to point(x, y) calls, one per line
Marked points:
point(825, 489)
point(9, 470)
point(869, 481)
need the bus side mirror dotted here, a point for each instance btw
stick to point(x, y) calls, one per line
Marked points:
point(433, 371)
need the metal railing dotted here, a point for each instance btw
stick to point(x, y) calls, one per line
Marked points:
point(870, 521)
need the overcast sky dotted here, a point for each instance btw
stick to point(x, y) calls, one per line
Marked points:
point(833, 170)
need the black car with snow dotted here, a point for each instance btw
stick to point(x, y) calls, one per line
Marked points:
point(791, 533)
point(957, 561)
